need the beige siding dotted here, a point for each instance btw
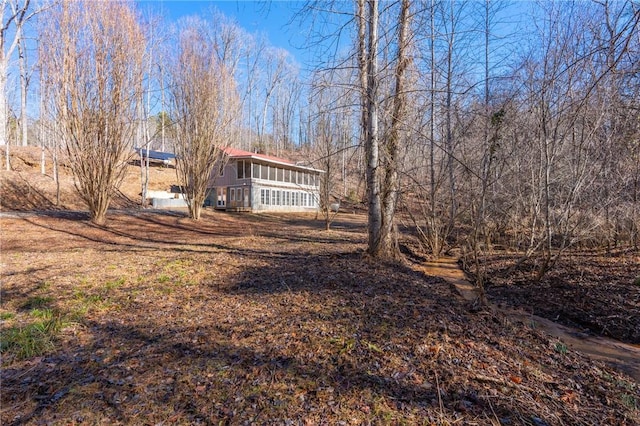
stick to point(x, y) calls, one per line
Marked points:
point(290, 189)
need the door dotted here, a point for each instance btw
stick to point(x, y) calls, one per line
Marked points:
point(222, 197)
point(246, 197)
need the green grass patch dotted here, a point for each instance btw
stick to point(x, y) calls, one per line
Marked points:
point(179, 263)
point(178, 271)
point(36, 302)
point(561, 348)
point(373, 347)
point(110, 285)
point(85, 302)
point(43, 314)
point(630, 401)
point(88, 298)
point(6, 316)
point(33, 339)
point(628, 385)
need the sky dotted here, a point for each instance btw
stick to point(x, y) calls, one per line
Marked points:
point(275, 19)
point(271, 18)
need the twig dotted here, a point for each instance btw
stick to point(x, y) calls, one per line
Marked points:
point(493, 412)
point(439, 397)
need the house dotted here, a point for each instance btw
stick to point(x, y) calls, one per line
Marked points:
point(257, 182)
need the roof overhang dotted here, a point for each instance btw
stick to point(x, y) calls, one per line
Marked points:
point(274, 161)
point(238, 154)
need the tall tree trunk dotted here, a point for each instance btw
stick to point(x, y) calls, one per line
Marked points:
point(479, 226)
point(145, 126)
point(381, 157)
point(388, 246)
point(436, 246)
point(3, 102)
point(372, 138)
point(4, 137)
point(24, 83)
point(449, 124)
point(162, 108)
point(56, 169)
point(42, 129)
point(4, 140)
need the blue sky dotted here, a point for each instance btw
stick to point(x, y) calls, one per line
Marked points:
point(270, 18)
point(273, 19)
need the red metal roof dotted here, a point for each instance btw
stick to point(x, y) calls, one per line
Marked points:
point(235, 152)
point(239, 153)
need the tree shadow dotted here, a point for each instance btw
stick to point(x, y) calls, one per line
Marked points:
point(335, 331)
point(317, 336)
point(136, 230)
point(8, 293)
point(137, 236)
point(20, 195)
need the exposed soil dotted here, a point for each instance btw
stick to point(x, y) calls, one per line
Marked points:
point(266, 319)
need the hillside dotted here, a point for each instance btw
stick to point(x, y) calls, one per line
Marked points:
point(25, 188)
point(260, 319)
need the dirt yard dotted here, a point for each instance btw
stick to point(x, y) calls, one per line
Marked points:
point(263, 319)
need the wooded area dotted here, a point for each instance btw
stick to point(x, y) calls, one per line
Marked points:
point(484, 133)
point(501, 136)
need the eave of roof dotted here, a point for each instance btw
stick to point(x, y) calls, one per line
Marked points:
point(241, 154)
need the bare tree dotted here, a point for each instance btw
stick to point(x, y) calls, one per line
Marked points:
point(275, 67)
point(566, 126)
point(382, 150)
point(48, 124)
point(536, 153)
point(24, 85)
point(432, 197)
point(329, 107)
point(485, 157)
point(325, 143)
point(250, 84)
point(205, 107)
point(17, 16)
point(286, 108)
point(367, 16)
point(16, 19)
point(423, 202)
point(145, 136)
point(94, 69)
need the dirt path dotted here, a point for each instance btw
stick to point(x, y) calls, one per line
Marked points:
point(622, 356)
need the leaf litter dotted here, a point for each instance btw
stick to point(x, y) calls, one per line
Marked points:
point(267, 319)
